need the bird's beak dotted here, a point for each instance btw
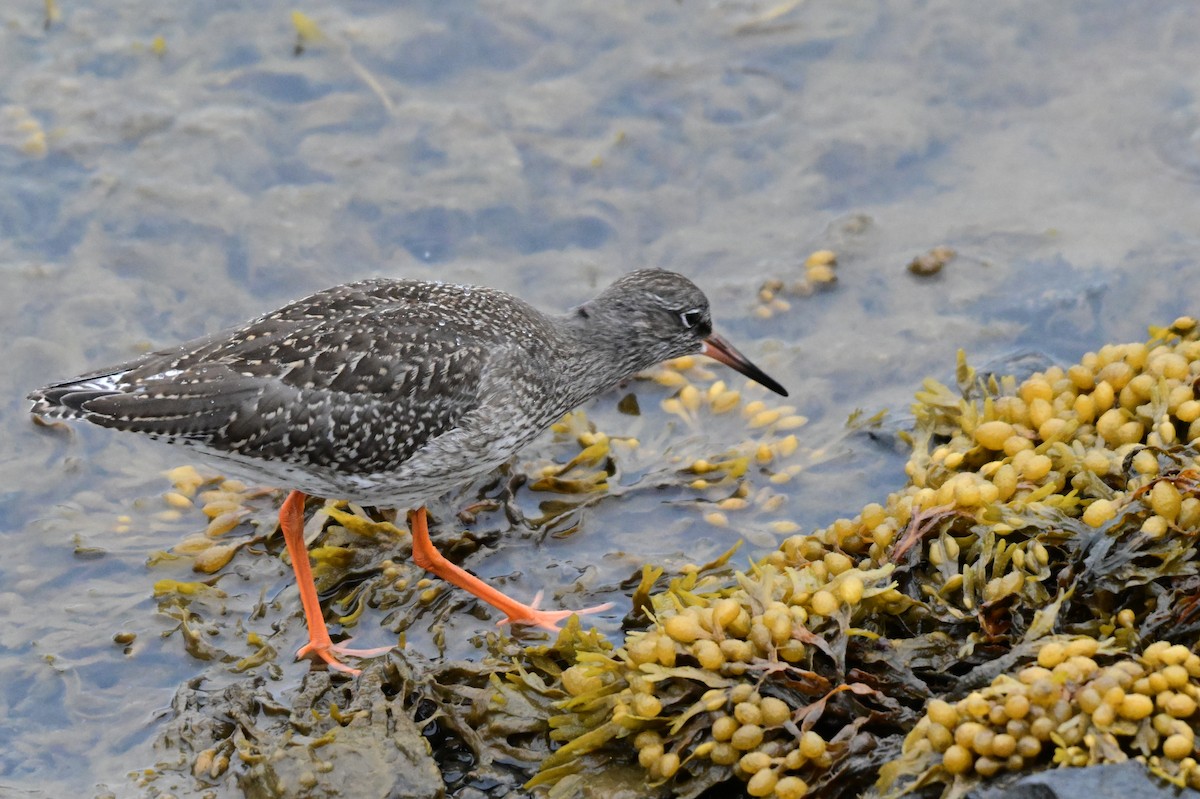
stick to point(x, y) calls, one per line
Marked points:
point(721, 350)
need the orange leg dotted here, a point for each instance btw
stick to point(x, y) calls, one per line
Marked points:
point(427, 557)
point(291, 520)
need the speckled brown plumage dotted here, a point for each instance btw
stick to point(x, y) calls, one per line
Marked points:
point(393, 392)
point(389, 391)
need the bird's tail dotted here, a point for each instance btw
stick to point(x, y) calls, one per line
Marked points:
point(67, 400)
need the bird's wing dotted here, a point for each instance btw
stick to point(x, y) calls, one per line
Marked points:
point(360, 384)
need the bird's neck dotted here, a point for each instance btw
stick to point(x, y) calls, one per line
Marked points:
point(598, 355)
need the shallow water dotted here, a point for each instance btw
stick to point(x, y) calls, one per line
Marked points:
point(150, 197)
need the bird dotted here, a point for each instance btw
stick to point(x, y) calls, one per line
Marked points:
point(391, 393)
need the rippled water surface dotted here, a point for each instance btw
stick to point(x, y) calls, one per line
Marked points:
point(156, 189)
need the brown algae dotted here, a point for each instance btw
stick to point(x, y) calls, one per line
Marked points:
point(1029, 599)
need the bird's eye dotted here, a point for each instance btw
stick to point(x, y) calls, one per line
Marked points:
point(691, 318)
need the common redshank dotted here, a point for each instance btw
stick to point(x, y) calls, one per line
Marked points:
point(392, 393)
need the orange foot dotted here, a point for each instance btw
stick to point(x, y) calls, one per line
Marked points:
point(520, 613)
point(426, 555)
point(329, 652)
point(291, 521)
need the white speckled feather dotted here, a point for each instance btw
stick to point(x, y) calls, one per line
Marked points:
point(388, 391)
